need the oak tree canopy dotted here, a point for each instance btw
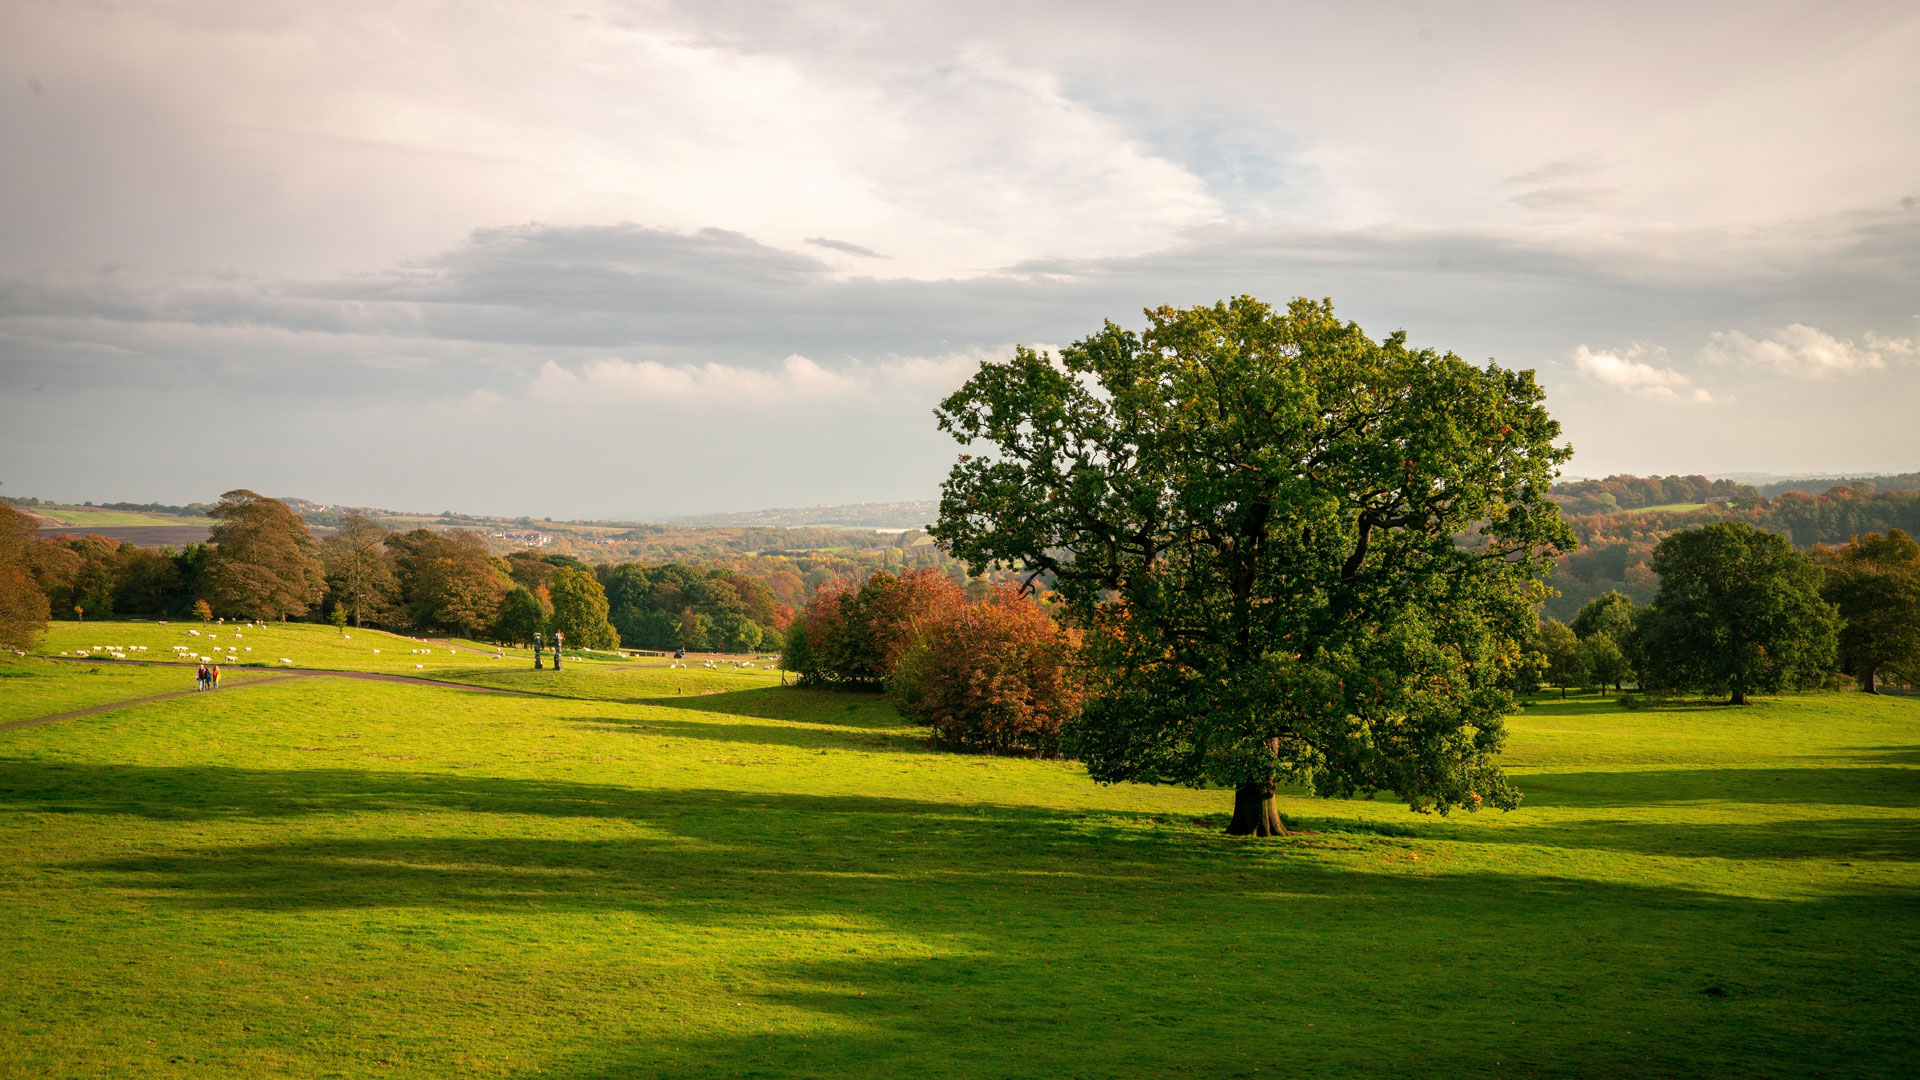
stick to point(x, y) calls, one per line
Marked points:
point(1298, 554)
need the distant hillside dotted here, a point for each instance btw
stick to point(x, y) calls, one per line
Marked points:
point(893, 515)
point(1819, 485)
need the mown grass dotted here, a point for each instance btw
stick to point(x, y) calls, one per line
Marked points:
point(334, 878)
point(33, 687)
point(305, 644)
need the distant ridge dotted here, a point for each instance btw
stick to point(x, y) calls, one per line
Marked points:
point(891, 515)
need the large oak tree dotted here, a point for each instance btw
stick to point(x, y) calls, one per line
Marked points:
point(1299, 554)
point(265, 563)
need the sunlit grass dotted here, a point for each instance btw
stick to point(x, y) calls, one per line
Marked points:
point(682, 872)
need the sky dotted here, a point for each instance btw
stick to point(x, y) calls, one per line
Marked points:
point(642, 259)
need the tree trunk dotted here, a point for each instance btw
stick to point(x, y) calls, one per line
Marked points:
point(1254, 813)
point(1866, 680)
point(1739, 695)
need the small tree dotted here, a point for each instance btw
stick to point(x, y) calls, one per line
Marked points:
point(1612, 613)
point(1568, 663)
point(339, 619)
point(580, 609)
point(1738, 612)
point(1607, 661)
point(203, 610)
point(522, 615)
point(1874, 581)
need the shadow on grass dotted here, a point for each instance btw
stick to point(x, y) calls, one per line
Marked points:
point(842, 708)
point(985, 940)
point(797, 734)
point(1865, 786)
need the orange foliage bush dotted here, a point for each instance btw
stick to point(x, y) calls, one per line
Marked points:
point(997, 677)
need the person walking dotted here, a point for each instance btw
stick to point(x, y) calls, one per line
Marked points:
point(200, 678)
point(214, 674)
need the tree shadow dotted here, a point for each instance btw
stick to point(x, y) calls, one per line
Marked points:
point(988, 940)
point(1843, 786)
point(805, 736)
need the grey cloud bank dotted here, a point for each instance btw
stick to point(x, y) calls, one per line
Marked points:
point(776, 332)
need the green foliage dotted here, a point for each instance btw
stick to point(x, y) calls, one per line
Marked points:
point(1607, 660)
point(1874, 582)
point(1738, 612)
point(1254, 514)
point(1612, 613)
point(522, 616)
point(338, 618)
point(1568, 663)
point(580, 610)
point(647, 604)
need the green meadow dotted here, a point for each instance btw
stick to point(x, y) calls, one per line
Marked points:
point(632, 870)
point(303, 645)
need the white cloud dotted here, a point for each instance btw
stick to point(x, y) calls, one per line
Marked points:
point(1805, 352)
point(798, 380)
point(1623, 369)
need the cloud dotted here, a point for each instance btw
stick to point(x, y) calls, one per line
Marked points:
point(796, 381)
point(842, 245)
point(1623, 369)
point(1565, 184)
point(1805, 352)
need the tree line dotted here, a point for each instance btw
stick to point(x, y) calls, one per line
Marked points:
point(1739, 611)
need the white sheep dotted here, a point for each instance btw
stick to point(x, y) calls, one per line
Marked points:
point(284, 660)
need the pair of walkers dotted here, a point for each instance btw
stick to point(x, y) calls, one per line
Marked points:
point(208, 677)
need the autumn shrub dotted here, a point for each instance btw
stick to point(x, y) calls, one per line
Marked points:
point(856, 634)
point(996, 677)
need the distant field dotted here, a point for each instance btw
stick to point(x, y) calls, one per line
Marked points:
point(87, 515)
point(659, 872)
point(304, 644)
point(1670, 508)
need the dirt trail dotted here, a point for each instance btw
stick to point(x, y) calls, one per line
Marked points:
point(266, 675)
point(276, 677)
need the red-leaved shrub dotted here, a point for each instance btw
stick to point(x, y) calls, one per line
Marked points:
point(855, 636)
point(997, 677)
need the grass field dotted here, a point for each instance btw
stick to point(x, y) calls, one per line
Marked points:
point(305, 644)
point(86, 515)
point(658, 872)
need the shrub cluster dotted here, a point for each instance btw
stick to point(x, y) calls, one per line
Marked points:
point(996, 676)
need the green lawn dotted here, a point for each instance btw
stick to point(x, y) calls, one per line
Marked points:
point(1670, 508)
point(683, 873)
point(305, 644)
